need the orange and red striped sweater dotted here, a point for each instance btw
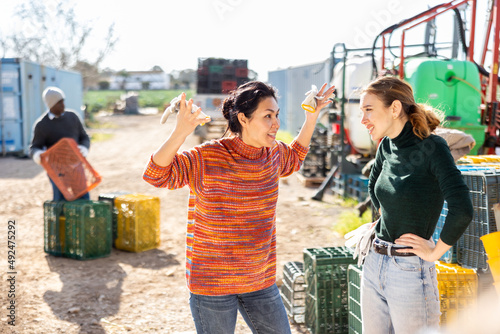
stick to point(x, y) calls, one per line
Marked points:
point(231, 229)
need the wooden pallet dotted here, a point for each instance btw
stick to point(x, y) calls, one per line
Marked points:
point(310, 182)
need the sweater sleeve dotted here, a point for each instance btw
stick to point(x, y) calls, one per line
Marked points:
point(455, 192)
point(179, 173)
point(83, 137)
point(38, 142)
point(291, 157)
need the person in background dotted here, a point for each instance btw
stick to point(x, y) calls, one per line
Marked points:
point(233, 183)
point(55, 124)
point(413, 173)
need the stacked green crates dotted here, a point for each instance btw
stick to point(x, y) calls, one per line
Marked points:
point(110, 197)
point(325, 271)
point(354, 274)
point(452, 86)
point(80, 229)
point(53, 228)
point(88, 229)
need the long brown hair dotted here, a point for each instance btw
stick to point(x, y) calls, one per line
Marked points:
point(423, 117)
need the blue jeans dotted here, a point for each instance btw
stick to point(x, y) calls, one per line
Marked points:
point(398, 294)
point(262, 310)
point(58, 196)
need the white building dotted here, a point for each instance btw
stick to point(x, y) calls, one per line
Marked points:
point(139, 80)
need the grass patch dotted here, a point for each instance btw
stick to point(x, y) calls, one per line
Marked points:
point(284, 136)
point(98, 125)
point(99, 136)
point(351, 220)
point(97, 100)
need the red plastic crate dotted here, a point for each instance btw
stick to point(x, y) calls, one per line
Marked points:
point(241, 72)
point(228, 86)
point(68, 168)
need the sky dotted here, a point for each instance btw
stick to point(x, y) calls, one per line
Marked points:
point(271, 34)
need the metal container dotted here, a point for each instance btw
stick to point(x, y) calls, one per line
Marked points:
point(21, 105)
point(292, 84)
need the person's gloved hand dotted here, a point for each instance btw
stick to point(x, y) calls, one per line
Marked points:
point(361, 239)
point(37, 156)
point(309, 103)
point(83, 150)
point(174, 108)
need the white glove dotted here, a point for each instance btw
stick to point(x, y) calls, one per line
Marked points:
point(83, 150)
point(37, 156)
point(175, 106)
point(310, 102)
point(362, 239)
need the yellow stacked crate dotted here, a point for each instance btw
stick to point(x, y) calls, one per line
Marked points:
point(138, 222)
point(458, 289)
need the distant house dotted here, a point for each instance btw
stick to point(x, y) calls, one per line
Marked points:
point(140, 80)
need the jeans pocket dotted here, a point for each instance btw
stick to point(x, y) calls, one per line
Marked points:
point(434, 283)
point(407, 263)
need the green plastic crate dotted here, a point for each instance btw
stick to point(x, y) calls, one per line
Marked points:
point(354, 274)
point(53, 228)
point(325, 271)
point(88, 229)
point(110, 197)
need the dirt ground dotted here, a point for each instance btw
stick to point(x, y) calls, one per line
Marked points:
point(126, 292)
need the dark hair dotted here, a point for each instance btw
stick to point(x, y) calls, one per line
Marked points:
point(245, 99)
point(388, 89)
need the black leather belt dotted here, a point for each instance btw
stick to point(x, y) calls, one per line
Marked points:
point(384, 250)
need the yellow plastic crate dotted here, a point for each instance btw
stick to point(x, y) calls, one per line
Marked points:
point(479, 159)
point(138, 222)
point(458, 288)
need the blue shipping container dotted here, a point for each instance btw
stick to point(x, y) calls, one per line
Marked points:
point(22, 83)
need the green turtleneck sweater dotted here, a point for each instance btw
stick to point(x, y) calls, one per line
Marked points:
point(410, 180)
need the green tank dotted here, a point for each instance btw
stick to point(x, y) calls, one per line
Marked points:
point(452, 86)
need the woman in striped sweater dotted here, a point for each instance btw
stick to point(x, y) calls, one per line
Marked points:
point(231, 229)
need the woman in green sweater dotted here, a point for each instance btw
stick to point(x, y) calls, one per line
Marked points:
point(414, 172)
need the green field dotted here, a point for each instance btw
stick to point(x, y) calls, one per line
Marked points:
point(105, 99)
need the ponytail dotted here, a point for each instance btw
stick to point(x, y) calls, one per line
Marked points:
point(424, 119)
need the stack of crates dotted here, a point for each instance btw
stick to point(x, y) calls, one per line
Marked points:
point(220, 76)
point(451, 255)
point(80, 230)
point(458, 290)
point(339, 185)
point(357, 187)
point(484, 190)
point(138, 222)
point(54, 228)
point(316, 163)
point(110, 197)
point(293, 291)
point(354, 274)
point(325, 271)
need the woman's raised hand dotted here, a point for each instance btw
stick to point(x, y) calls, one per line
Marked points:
point(187, 118)
point(324, 97)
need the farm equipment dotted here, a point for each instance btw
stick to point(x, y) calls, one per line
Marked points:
point(457, 85)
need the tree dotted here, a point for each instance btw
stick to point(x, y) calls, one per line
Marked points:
point(54, 36)
point(124, 75)
point(185, 79)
